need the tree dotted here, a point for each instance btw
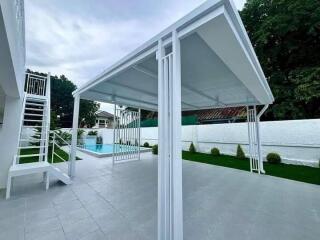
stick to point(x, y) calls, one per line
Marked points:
point(286, 38)
point(87, 115)
point(62, 104)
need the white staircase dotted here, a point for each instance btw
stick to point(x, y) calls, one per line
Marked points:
point(35, 115)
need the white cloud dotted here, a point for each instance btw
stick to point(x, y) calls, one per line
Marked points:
point(80, 39)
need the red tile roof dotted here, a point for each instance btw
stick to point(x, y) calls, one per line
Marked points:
point(218, 113)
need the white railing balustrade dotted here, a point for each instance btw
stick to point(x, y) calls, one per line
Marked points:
point(126, 135)
point(36, 84)
point(253, 140)
point(57, 143)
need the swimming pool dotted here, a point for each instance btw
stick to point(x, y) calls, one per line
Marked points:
point(106, 150)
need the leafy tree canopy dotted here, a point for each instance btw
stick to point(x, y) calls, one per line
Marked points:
point(286, 38)
point(62, 104)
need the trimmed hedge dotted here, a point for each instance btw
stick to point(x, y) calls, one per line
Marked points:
point(240, 153)
point(215, 152)
point(155, 149)
point(146, 144)
point(273, 158)
point(92, 133)
point(192, 148)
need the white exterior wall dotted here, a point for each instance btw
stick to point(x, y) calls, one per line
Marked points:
point(12, 76)
point(12, 46)
point(9, 134)
point(297, 141)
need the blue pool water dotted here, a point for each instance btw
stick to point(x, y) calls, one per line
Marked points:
point(108, 148)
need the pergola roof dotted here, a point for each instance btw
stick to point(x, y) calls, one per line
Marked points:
point(219, 67)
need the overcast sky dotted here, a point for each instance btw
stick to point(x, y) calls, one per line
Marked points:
point(80, 38)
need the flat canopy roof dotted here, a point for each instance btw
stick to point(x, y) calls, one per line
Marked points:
point(219, 67)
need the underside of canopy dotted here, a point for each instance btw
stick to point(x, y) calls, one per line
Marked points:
point(218, 65)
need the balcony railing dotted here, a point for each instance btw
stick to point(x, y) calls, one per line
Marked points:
point(35, 84)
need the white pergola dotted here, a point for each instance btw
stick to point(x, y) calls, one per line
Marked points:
point(204, 60)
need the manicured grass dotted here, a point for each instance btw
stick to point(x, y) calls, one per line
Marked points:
point(293, 172)
point(56, 159)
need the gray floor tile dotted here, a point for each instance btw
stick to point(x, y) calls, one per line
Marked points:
point(80, 228)
point(120, 202)
point(96, 235)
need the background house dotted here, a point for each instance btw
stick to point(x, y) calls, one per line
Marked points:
point(205, 116)
point(104, 120)
point(218, 115)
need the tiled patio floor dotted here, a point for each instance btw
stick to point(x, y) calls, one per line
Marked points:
point(120, 203)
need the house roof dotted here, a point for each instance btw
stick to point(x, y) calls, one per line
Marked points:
point(104, 114)
point(204, 115)
point(219, 67)
point(218, 114)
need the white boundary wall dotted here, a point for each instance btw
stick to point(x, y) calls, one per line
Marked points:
point(297, 141)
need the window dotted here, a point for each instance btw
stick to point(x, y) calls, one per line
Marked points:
point(102, 123)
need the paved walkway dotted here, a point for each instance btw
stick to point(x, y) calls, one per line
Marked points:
point(120, 203)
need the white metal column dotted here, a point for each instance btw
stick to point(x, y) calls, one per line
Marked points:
point(170, 211)
point(72, 163)
point(259, 137)
point(254, 139)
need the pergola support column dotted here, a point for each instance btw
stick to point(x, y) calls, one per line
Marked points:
point(72, 163)
point(170, 219)
point(253, 139)
point(259, 137)
point(254, 136)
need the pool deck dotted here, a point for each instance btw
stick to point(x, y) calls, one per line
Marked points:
point(120, 203)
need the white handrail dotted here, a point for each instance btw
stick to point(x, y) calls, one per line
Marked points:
point(54, 143)
point(48, 116)
point(61, 138)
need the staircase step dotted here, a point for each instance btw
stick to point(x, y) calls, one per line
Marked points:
point(35, 104)
point(32, 140)
point(30, 120)
point(29, 168)
point(36, 98)
point(31, 147)
point(34, 114)
point(60, 175)
point(35, 109)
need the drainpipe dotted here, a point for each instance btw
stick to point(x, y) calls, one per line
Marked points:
point(259, 137)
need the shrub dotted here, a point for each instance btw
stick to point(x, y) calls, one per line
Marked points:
point(146, 144)
point(273, 158)
point(93, 133)
point(192, 148)
point(80, 140)
point(155, 149)
point(240, 152)
point(67, 137)
point(215, 152)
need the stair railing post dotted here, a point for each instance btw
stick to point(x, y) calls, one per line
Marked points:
point(47, 117)
point(74, 135)
point(53, 143)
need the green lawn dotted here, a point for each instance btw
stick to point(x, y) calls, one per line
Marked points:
point(293, 172)
point(56, 159)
